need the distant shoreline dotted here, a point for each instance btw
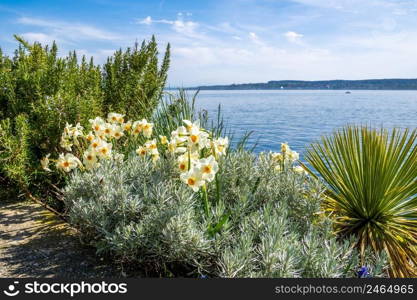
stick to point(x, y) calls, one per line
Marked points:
point(202, 89)
point(366, 84)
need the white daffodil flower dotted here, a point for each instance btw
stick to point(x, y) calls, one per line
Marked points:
point(102, 137)
point(97, 124)
point(65, 143)
point(187, 161)
point(155, 157)
point(278, 157)
point(67, 162)
point(183, 163)
point(104, 150)
point(90, 137)
point(180, 150)
point(117, 132)
point(95, 144)
point(163, 139)
point(141, 151)
point(45, 163)
point(208, 168)
point(147, 128)
point(220, 145)
point(180, 133)
point(299, 170)
point(293, 156)
point(190, 126)
point(109, 129)
point(151, 147)
point(197, 138)
point(193, 179)
point(115, 118)
point(176, 145)
point(137, 127)
point(67, 129)
point(172, 146)
point(127, 126)
point(90, 160)
point(285, 148)
point(77, 131)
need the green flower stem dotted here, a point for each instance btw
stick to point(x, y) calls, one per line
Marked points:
point(217, 188)
point(189, 160)
point(204, 195)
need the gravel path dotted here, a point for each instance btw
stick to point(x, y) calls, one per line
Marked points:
point(35, 243)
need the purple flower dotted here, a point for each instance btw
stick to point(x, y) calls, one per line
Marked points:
point(364, 272)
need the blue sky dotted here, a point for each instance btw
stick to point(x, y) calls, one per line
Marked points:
point(233, 41)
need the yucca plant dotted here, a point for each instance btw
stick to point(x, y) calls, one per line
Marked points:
point(371, 178)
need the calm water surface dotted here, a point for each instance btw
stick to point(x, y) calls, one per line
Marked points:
point(301, 117)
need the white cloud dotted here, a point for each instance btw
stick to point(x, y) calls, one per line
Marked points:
point(330, 39)
point(179, 25)
point(338, 4)
point(345, 57)
point(69, 31)
point(185, 27)
point(39, 37)
point(33, 21)
point(253, 36)
point(346, 39)
point(146, 21)
point(293, 37)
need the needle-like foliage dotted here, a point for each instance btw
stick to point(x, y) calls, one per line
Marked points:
point(41, 90)
point(372, 189)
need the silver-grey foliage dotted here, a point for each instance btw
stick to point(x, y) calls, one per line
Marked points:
point(142, 214)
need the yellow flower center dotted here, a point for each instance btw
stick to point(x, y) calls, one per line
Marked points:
point(182, 167)
point(104, 150)
point(89, 157)
point(114, 119)
point(194, 138)
point(94, 145)
point(66, 164)
point(191, 181)
point(96, 128)
point(107, 131)
point(207, 169)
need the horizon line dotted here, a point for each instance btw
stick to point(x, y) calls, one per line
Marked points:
point(283, 80)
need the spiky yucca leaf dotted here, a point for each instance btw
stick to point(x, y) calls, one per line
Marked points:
point(371, 177)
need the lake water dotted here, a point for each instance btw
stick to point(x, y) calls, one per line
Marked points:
point(301, 117)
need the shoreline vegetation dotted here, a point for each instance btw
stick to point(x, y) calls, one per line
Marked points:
point(152, 183)
point(365, 84)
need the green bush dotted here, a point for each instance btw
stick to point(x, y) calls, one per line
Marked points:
point(141, 213)
point(135, 75)
point(41, 91)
